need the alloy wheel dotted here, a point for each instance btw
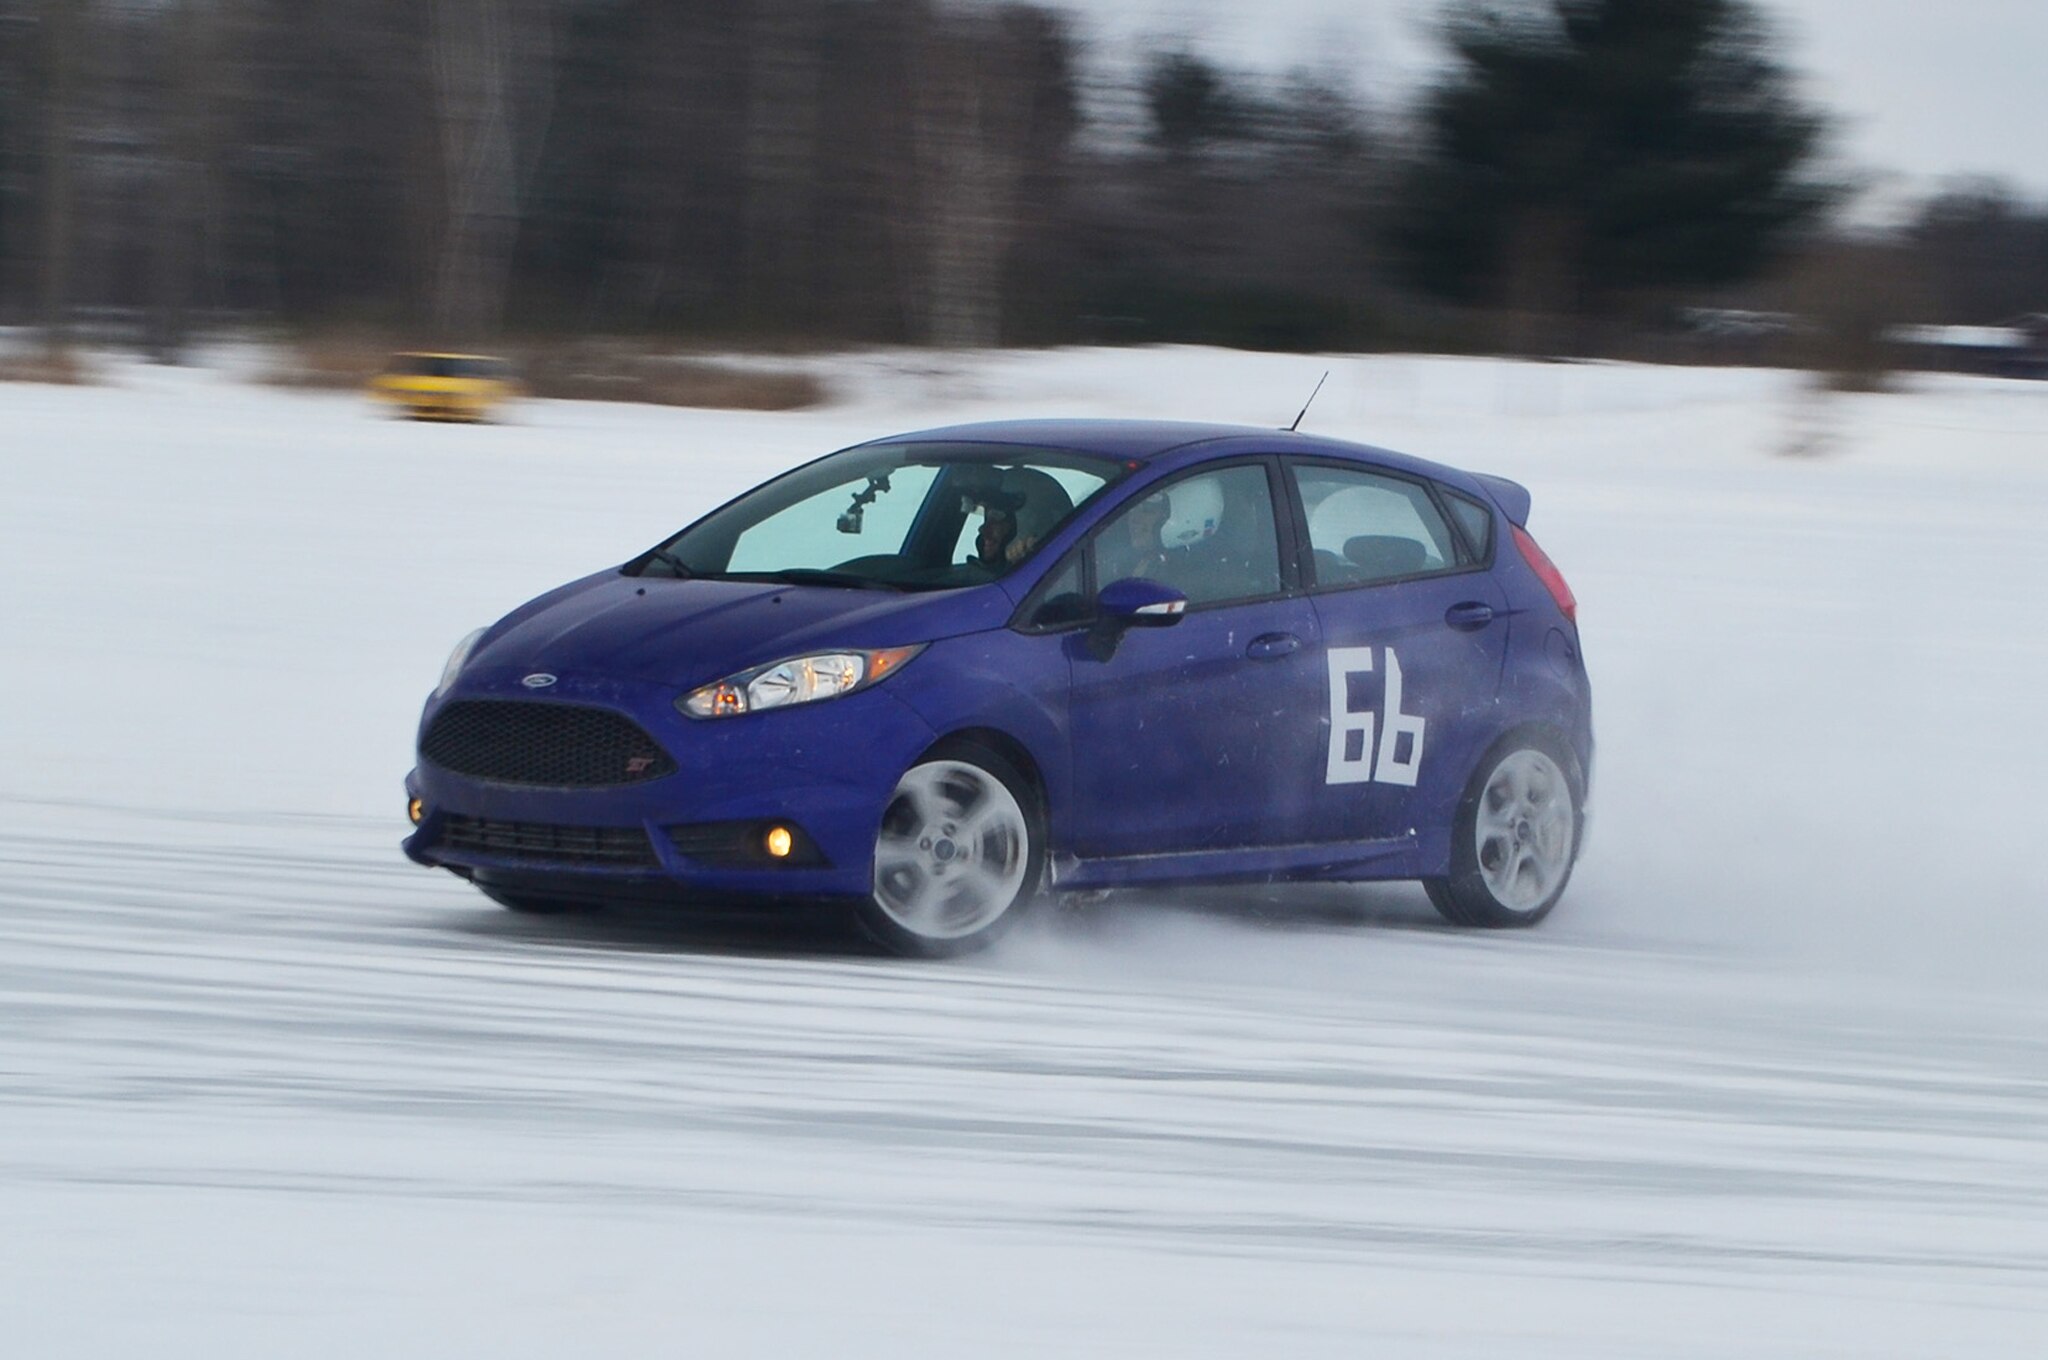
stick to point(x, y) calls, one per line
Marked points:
point(953, 853)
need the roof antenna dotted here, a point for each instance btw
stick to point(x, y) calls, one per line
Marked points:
point(1310, 402)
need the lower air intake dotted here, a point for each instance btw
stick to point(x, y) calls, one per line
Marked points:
point(622, 846)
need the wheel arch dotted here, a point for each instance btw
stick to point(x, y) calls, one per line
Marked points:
point(1539, 730)
point(1009, 748)
point(1004, 761)
point(1435, 847)
point(1450, 888)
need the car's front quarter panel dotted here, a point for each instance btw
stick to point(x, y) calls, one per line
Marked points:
point(1009, 683)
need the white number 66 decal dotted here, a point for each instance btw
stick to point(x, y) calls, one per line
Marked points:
point(1393, 765)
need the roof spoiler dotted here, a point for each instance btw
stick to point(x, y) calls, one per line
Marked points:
point(1512, 497)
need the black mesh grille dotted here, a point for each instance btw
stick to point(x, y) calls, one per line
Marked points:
point(563, 745)
point(620, 845)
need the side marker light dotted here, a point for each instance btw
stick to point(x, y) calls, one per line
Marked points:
point(778, 842)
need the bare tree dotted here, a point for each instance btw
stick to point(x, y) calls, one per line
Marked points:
point(974, 94)
point(184, 163)
point(490, 57)
point(781, 154)
point(860, 169)
point(61, 23)
point(1982, 252)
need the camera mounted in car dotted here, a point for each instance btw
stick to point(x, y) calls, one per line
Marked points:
point(850, 518)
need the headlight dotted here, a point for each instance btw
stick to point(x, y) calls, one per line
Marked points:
point(799, 680)
point(457, 658)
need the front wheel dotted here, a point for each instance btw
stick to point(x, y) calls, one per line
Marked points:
point(958, 855)
point(1515, 837)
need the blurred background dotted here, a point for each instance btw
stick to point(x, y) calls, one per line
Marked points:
point(1585, 177)
point(1771, 1084)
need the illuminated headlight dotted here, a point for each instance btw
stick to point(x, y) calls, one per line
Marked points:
point(457, 659)
point(799, 680)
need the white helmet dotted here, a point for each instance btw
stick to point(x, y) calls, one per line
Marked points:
point(1197, 511)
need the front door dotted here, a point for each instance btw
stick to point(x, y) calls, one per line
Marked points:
point(1206, 734)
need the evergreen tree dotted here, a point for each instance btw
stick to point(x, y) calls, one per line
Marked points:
point(1580, 151)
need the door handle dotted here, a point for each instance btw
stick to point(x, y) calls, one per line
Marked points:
point(1469, 616)
point(1267, 646)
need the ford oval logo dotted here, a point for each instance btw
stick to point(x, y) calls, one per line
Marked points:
point(538, 680)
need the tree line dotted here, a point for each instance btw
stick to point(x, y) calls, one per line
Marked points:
point(921, 171)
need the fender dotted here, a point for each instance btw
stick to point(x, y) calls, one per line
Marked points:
point(1012, 687)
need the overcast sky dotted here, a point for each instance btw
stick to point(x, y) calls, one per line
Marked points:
point(1924, 91)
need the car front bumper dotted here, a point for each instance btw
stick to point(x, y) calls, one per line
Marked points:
point(824, 771)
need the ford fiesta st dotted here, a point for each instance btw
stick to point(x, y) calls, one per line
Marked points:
point(933, 677)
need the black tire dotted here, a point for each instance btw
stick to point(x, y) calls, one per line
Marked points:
point(524, 905)
point(914, 909)
point(1512, 873)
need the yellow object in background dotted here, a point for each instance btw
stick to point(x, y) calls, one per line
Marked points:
point(445, 386)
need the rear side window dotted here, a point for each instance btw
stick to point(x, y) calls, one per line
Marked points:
point(1475, 520)
point(1364, 527)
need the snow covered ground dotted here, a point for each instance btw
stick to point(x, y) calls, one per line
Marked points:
point(1772, 1081)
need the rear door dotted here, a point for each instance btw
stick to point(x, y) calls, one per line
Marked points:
point(1415, 632)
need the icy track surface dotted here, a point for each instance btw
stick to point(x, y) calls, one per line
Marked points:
point(1773, 1081)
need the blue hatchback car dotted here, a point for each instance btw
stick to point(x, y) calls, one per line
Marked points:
point(934, 676)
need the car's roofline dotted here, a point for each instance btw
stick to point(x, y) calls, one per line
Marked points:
point(442, 354)
point(1143, 439)
point(1150, 441)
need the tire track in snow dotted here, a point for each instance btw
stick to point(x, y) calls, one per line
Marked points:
point(284, 1008)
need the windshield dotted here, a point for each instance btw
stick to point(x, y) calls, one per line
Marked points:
point(892, 516)
point(444, 366)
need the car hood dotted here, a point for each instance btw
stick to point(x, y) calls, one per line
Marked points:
point(689, 632)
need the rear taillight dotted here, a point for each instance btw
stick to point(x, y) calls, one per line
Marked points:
point(1546, 572)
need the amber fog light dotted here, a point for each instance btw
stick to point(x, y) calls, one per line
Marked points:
point(748, 845)
point(417, 810)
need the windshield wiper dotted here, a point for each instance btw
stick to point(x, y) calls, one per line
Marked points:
point(676, 565)
point(816, 576)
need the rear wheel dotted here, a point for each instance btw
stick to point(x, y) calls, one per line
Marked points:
point(1515, 837)
point(958, 855)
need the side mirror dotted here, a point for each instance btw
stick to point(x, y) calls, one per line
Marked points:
point(1137, 603)
point(1132, 603)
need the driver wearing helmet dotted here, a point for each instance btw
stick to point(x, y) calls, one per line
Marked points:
point(1137, 546)
point(1015, 515)
point(996, 545)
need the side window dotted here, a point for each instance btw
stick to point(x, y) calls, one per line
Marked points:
point(1475, 519)
point(1364, 527)
point(1209, 536)
point(1063, 599)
